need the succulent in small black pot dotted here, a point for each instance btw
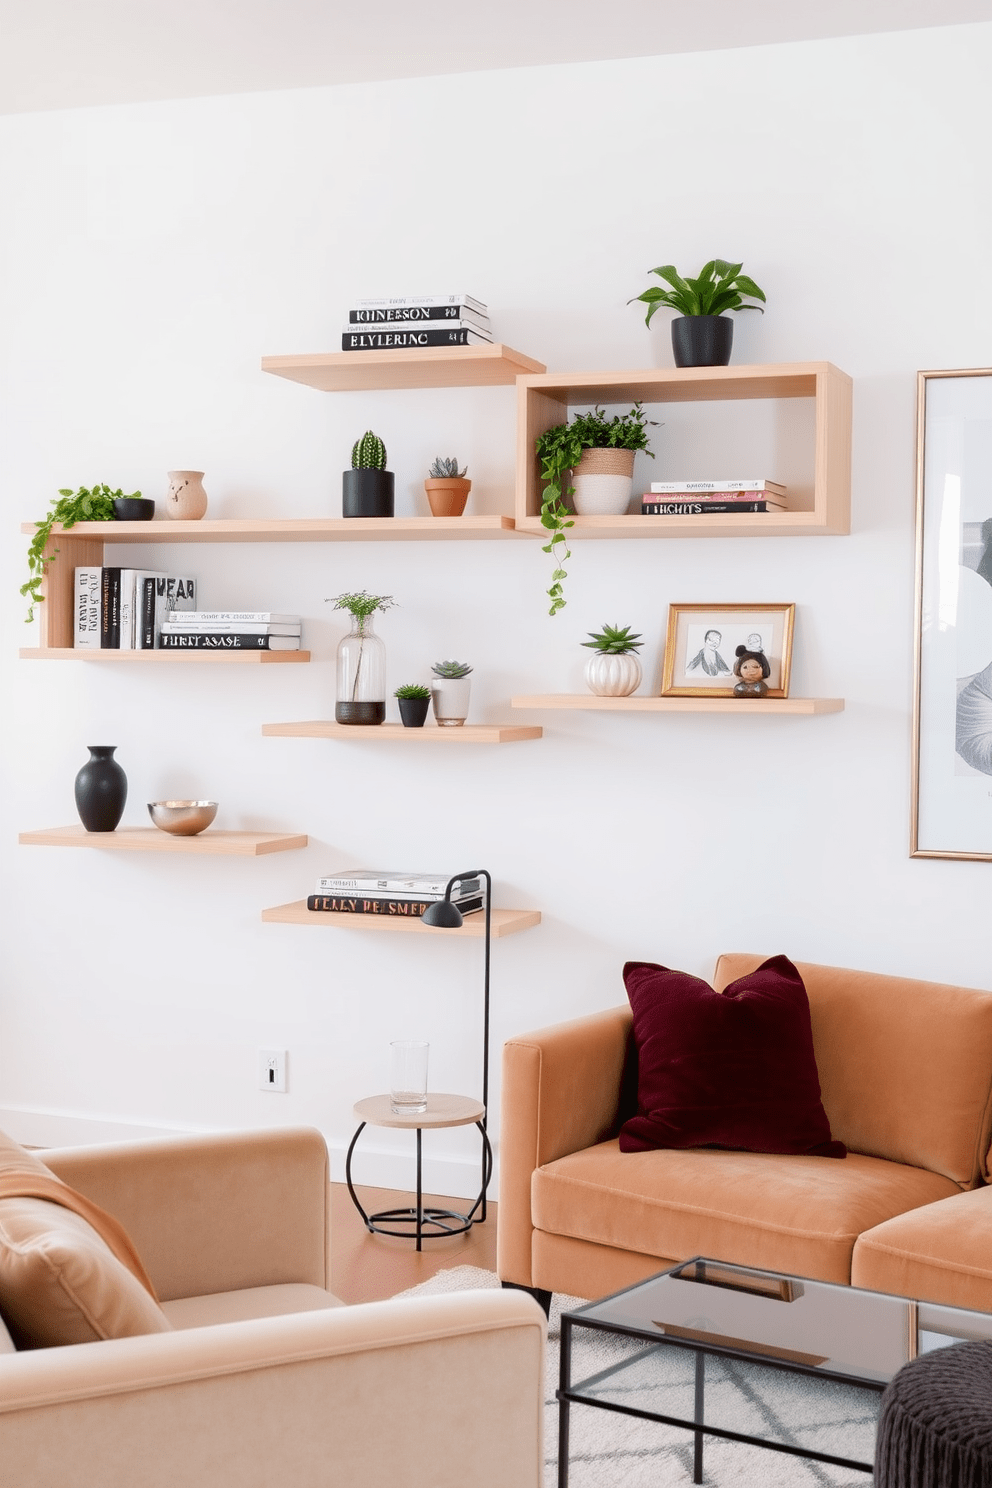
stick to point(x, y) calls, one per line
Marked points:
point(367, 488)
point(414, 700)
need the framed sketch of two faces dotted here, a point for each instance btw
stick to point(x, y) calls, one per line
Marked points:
point(705, 642)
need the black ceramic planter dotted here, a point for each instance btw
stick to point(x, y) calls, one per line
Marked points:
point(702, 340)
point(367, 493)
point(413, 711)
point(133, 508)
point(360, 713)
point(101, 790)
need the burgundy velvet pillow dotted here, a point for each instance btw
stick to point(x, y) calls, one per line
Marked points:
point(725, 1069)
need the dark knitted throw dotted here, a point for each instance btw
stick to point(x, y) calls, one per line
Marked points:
point(935, 1425)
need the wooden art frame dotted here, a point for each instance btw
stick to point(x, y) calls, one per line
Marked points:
point(695, 666)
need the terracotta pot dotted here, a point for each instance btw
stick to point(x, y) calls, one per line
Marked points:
point(603, 481)
point(186, 499)
point(447, 494)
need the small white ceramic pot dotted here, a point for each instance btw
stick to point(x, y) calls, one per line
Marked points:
point(603, 481)
point(186, 499)
point(449, 696)
point(613, 676)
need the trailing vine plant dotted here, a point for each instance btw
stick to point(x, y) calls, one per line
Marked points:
point(94, 504)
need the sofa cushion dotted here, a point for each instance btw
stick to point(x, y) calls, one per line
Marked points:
point(940, 1253)
point(905, 1066)
point(733, 1070)
point(793, 1213)
point(247, 1302)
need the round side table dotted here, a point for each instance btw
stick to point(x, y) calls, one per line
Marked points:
point(442, 1110)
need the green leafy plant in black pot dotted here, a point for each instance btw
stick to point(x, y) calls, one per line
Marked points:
point(560, 450)
point(367, 489)
point(702, 335)
point(88, 504)
point(414, 700)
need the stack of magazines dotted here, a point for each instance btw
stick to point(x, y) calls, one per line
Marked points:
point(374, 891)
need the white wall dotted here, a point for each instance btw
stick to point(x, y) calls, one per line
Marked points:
point(151, 255)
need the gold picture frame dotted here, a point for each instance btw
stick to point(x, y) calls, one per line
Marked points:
point(696, 665)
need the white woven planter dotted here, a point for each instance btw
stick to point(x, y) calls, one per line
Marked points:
point(603, 481)
point(613, 676)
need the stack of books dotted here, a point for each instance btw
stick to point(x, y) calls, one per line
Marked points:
point(417, 320)
point(230, 630)
point(373, 892)
point(688, 498)
point(124, 609)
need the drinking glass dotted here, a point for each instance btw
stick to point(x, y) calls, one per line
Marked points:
point(408, 1083)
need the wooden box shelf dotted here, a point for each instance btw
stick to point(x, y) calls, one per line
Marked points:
point(211, 843)
point(427, 367)
point(504, 921)
point(590, 703)
point(544, 401)
point(469, 733)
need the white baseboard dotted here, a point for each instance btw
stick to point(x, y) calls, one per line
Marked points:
point(457, 1178)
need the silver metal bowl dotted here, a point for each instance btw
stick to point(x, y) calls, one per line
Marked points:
point(182, 818)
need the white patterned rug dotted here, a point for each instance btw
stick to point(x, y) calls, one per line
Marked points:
point(608, 1450)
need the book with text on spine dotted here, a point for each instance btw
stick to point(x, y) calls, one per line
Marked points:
point(401, 340)
point(753, 483)
point(216, 617)
point(110, 608)
point(431, 898)
point(432, 299)
point(368, 880)
point(163, 593)
point(410, 909)
point(704, 508)
point(393, 314)
point(421, 327)
point(86, 609)
point(224, 640)
point(228, 627)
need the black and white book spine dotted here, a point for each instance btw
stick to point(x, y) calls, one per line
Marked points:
point(755, 483)
point(86, 611)
point(704, 508)
point(410, 909)
point(375, 893)
point(128, 607)
point(402, 883)
point(403, 301)
point(421, 327)
point(180, 626)
point(141, 578)
point(166, 593)
point(110, 609)
point(400, 340)
point(226, 640)
point(230, 617)
point(421, 314)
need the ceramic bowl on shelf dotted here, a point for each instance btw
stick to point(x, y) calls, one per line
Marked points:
point(182, 818)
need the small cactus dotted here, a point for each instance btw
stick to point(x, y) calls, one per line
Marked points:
point(451, 669)
point(444, 468)
point(369, 453)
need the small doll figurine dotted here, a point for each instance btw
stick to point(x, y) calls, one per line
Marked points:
point(751, 667)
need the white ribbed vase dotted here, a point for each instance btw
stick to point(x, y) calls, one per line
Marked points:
point(603, 481)
point(613, 676)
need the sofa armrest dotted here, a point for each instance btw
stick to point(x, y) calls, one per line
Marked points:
point(418, 1391)
point(214, 1213)
point(561, 1092)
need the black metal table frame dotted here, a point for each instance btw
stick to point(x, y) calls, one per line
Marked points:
point(416, 1219)
point(567, 1397)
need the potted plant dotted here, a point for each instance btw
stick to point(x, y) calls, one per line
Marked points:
point(591, 440)
point(414, 699)
point(96, 504)
point(361, 661)
point(446, 487)
point(614, 670)
point(367, 488)
point(450, 692)
point(702, 335)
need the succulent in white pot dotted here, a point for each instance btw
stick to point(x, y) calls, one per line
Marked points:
point(450, 687)
point(614, 670)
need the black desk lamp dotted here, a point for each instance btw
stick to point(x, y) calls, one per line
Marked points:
point(447, 916)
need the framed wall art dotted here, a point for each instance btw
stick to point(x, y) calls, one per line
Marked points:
point(702, 641)
point(952, 716)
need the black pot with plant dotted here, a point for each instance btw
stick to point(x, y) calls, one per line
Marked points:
point(367, 488)
point(414, 699)
point(559, 450)
point(88, 504)
point(702, 334)
point(136, 508)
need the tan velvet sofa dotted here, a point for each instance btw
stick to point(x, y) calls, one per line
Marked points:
point(905, 1071)
point(267, 1378)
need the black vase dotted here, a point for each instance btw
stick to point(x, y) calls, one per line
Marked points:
point(367, 493)
point(413, 711)
point(101, 790)
point(702, 340)
point(133, 509)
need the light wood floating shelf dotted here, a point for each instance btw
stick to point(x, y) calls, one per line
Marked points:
point(469, 733)
point(589, 702)
point(544, 401)
point(280, 529)
point(416, 367)
point(210, 843)
point(212, 658)
point(504, 921)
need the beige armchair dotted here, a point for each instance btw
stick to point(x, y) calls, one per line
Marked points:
point(266, 1378)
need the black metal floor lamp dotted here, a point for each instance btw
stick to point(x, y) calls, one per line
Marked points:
point(445, 915)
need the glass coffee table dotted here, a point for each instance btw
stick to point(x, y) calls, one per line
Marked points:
point(781, 1362)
